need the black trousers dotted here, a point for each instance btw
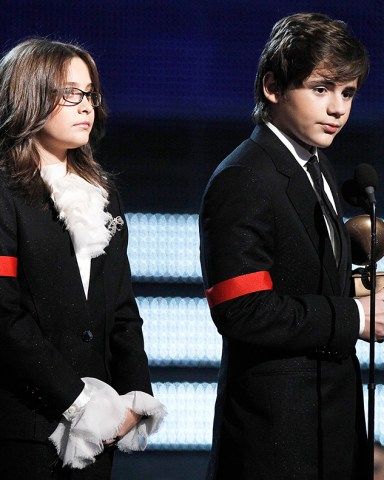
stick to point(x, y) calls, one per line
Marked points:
point(24, 460)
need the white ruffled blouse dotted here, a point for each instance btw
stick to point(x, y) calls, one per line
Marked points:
point(81, 206)
point(98, 412)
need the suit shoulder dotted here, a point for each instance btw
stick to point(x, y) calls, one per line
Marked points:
point(257, 153)
point(248, 163)
point(4, 181)
point(238, 179)
point(6, 192)
point(247, 155)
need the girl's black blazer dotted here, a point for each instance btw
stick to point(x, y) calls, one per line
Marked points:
point(50, 334)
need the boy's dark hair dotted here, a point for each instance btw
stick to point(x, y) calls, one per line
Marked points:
point(297, 45)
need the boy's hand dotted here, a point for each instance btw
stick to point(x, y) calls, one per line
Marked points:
point(379, 316)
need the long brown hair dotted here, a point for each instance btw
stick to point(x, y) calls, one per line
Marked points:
point(302, 42)
point(31, 75)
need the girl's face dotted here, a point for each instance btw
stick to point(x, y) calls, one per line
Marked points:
point(69, 125)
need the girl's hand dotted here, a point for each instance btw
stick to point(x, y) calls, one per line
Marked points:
point(130, 421)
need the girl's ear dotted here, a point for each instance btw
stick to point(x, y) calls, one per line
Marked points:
point(270, 88)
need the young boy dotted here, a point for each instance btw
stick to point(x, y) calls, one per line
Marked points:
point(276, 267)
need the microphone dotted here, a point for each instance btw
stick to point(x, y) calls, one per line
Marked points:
point(360, 190)
point(349, 191)
point(367, 181)
point(369, 280)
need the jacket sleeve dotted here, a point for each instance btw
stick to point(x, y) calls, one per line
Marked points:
point(238, 228)
point(129, 361)
point(27, 357)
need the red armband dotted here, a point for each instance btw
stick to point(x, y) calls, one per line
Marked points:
point(8, 266)
point(238, 286)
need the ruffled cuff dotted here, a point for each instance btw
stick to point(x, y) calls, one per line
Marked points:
point(80, 439)
point(153, 412)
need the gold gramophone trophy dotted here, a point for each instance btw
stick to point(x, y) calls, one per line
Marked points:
point(359, 229)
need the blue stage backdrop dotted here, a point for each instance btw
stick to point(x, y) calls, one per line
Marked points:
point(178, 78)
point(179, 59)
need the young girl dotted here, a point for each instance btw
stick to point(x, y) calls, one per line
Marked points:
point(74, 380)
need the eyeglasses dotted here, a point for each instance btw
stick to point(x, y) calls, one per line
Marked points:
point(75, 96)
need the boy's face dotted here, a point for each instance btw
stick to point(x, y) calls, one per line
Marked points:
point(315, 112)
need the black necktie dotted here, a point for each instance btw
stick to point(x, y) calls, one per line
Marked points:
point(328, 210)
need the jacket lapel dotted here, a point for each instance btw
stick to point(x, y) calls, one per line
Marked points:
point(305, 202)
point(303, 199)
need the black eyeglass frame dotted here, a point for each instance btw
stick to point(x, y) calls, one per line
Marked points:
point(94, 98)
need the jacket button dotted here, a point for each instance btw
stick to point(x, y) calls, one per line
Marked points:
point(87, 336)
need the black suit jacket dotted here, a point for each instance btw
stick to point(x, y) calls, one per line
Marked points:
point(50, 334)
point(289, 402)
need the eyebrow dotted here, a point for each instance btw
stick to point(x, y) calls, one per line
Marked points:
point(322, 81)
point(350, 89)
point(73, 84)
point(327, 82)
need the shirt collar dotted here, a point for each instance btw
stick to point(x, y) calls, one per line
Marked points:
point(301, 154)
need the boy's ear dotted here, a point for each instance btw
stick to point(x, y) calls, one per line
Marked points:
point(270, 88)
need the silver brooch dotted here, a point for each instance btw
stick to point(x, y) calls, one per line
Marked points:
point(115, 225)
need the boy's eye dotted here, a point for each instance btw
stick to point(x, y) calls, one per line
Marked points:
point(320, 89)
point(348, 94)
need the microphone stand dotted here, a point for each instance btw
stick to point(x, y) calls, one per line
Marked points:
point(371, 381)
